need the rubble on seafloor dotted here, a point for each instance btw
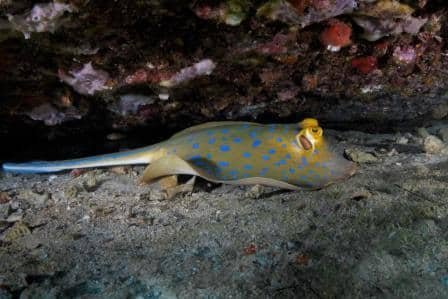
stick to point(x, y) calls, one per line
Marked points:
point(98, 233)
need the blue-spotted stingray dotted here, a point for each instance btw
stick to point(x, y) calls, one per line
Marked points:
point(292, 156)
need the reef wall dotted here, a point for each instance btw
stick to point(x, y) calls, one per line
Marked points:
point(77, 68)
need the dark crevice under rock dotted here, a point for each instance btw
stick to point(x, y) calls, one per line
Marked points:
point(265, 71)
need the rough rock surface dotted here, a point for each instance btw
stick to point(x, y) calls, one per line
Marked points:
point(194, 61)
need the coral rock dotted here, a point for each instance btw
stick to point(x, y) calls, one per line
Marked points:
point(365, 65)
point(336, 35)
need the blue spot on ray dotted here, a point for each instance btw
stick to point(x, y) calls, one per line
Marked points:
point(195, 145)
point(211, 140)
point(287, 156)
point(237, 140)
point(246, 155)
point(253, 134)
point(225, 131)
point(280, 162)
point(284, 145)
point(195, 157)
point(265, 157)
point(233, 173)
point(291, 170)
point(199, 162)
point(223, 163)
point(304, 161)
point(208, 156)
point(264, 170)
point(224, 148)
point(256, 143)
point(247, 167)
point(279, 139)
point(271, 151)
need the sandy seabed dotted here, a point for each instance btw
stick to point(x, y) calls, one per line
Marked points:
point(382, 233)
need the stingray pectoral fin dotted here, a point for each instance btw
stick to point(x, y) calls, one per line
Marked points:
point(173, 164)
point(263, 181)
point(170, 165)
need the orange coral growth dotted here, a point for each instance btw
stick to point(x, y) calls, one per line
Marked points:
point(336, 35)
point(365, 64)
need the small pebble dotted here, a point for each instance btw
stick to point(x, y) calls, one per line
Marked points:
point(39, 200)
point(402, 140)
point(91, 183)
point(119, 169)
point(255, 192)
point(164, 96)
point(421, 170)
point(156, 195)
point(15, 204)
point(4, 198)
point(145, 196)
point(4, 211)
point(16, 216)
point(422, 132)
point(51, 178)
point(443, 133)
point(433, 145)
point(440, 111)
point(392, 152)
point(71, 192)
point(360, 156)
point(115, 136)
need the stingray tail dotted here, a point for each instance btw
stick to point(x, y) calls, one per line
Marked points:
point(137, 156)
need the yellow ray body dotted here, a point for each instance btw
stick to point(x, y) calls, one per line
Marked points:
point(286, 156)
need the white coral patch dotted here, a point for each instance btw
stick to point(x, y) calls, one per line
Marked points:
point(43, 17)
point(86, 81)
point(203, 67)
